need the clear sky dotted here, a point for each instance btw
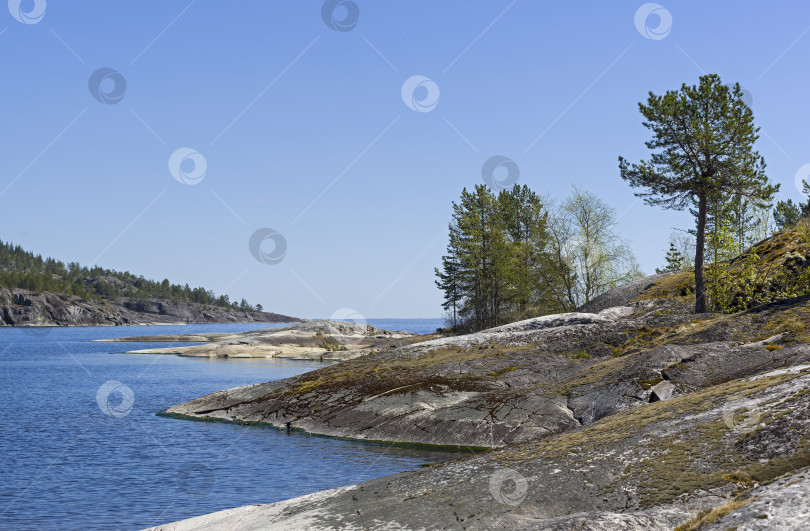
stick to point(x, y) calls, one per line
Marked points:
point(302, 128)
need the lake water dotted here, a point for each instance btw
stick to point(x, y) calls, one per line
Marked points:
point(82, 447)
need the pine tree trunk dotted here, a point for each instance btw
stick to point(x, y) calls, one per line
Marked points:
point(700, 288)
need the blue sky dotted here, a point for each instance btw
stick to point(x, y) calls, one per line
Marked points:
point(304, 131)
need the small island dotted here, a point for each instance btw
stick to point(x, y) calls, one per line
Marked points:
point(311, 340)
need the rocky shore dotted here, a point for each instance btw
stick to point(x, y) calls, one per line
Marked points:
point(319, 340)
point(24, 308)
point(640, 415)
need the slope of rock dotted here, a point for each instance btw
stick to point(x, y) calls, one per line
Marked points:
point(781, 506)
point(522, 381)
point(651, 467)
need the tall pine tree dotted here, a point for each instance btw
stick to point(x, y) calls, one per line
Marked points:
point(702, 147)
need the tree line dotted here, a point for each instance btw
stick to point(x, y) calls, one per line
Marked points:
point(515, 255)
point(21, 269)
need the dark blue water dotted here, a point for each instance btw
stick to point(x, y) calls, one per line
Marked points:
point(81, 445)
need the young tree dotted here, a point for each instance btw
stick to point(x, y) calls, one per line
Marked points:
point(763, 226)
point(675, 260)
point(702, 147)
point(787, 213)
point(743, 220)
point(559, 276)
point(589, 258)
point(685, 243)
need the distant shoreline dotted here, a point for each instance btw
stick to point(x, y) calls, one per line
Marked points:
point(178, 323)
point(26, 309)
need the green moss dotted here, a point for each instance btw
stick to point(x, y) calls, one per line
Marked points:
point(504, 371)
point(647, 384)
point(577, 355)
point(619, 427)
point(640, 339)
point(773, 270)
point(330, 344)
point(680, 284)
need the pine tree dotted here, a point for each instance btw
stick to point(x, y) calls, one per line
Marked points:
point(675, 260)
point(507, 257)
point(704, 136)
point(480, 252)
point(743, 221)
point(787, 213)
point(523, 219)
point(449, 279)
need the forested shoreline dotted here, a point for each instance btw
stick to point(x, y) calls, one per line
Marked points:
point(21, 269)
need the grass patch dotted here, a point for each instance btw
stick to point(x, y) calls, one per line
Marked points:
point(626, 424)
point(713, 515)
point(504, 371)
point(577, 355)
point(647, 384)
point(330, 344)
point(739, 477)
point(375, 377)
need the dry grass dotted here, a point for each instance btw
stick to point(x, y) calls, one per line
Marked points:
point(711, 516)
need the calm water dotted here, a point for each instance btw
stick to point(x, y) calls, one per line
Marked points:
point(417, 326)
point(77, 453)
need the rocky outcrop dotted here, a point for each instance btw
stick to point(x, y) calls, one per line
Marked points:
point(319, 340)
point(621, 295)
point(510, 384)
point(641, 416)
point(781, 506)
point(24, 308)
point(652, 467)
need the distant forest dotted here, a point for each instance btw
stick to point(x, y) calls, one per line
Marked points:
point(21, 269)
